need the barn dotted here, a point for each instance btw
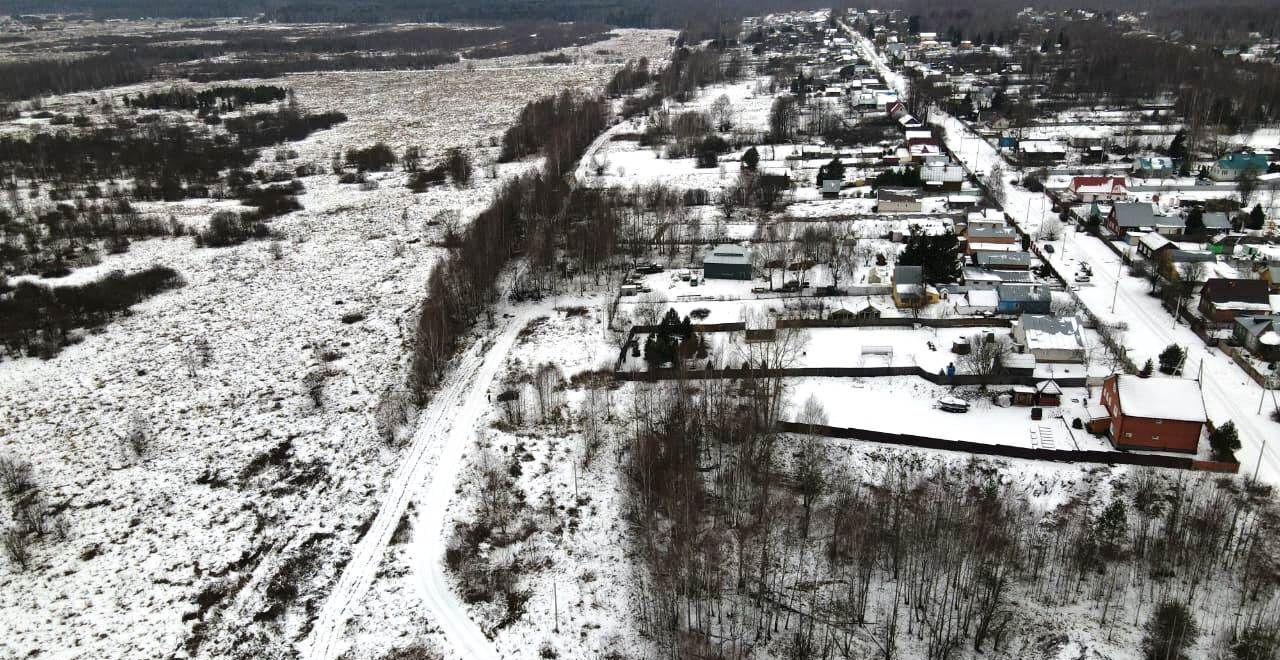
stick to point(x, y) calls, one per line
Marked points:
point(727, 262)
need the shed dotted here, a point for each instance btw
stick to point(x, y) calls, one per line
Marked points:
point(727, 262)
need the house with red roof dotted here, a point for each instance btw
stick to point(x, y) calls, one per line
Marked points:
point(1099, 188)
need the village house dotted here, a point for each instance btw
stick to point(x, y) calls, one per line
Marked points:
point(1222, 300)
point(942, 175)
point(1232, 166)
point(1160, 414)
point(909, 290)
point(986, 237)
point(1001, 260)
point(1131, 217)
point(1153, 167)
point(1023, 298)
point(1151, 245)
point(898, 200)
point(1260, 335)
point(1099, 188)
point(1041, 152)
point(1050, 338)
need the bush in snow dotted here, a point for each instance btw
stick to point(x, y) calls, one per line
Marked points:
point(15, 475)
point(17, 547)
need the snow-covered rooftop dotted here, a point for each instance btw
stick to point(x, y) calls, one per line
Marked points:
point(1161, 398)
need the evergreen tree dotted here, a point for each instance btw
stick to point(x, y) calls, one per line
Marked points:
point(751, 159)
point(1171, 358)
point(1257, 218)
point(1224, 440)
point(1171, 630)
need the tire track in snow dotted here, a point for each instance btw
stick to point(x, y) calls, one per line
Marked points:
point(324, 642)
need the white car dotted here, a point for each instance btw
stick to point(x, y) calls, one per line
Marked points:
point(1081, 277)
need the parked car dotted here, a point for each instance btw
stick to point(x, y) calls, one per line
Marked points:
point(953, 404)
point(649, 269)
point(1048, 248)
point(1082, 277)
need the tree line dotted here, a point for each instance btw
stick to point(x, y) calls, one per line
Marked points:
point(36, 319)
point(526, 215)
point(223, 98)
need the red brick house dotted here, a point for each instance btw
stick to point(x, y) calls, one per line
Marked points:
point(1161, 414)
point(1222, 300)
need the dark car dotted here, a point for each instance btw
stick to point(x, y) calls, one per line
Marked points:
point(1048, 248)
point(649, 269)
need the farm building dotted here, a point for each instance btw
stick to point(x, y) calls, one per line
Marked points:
point(1162, 414)
point(727, 262)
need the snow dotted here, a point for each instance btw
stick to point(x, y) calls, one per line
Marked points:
point(200, 511)
point(1161, 398)
point(907, 405)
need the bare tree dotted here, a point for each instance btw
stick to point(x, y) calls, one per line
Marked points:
point(986, 356)
point(17, 546)
point(15, 475)
point(722, 113)
point(1050, 229)
point(811, 462)
point(391, 414)
point(547, 383)
point(650, 308)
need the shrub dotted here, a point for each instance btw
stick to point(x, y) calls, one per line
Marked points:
point(458, 164)
point(17, 547)
point(376, 158)
point(1146, 369)
point(231, 228)
point(15, 475)
point(422, 179)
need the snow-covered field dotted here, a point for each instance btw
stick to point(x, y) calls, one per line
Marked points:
point(248, 482)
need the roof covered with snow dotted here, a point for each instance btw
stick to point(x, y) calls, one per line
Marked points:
point(1160, 398)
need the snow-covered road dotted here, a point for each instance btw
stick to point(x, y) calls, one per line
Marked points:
point(443, 431)
point(1229, 394)
point(432, 498)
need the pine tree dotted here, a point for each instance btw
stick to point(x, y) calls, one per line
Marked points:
point(1171, 358)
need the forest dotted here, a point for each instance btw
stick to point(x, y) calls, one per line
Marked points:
point(752, 538)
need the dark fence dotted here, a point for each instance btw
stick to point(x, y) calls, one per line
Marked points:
point(1009, 451)
point(654, 375)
